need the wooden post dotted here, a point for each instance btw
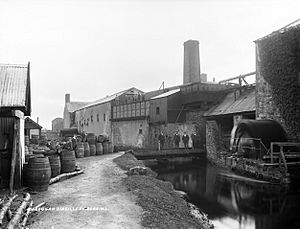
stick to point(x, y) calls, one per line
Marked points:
point(14, 157)
point(271, 152)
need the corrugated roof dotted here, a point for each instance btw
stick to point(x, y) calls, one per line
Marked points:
point(14, 85)
point(244, 103)
point(166, 94)
point(75, 105)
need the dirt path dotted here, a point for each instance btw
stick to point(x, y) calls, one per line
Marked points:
point(99, 187)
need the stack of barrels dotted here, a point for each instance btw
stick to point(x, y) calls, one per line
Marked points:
point(92, 143)
point(40, 168)
point(107, 146)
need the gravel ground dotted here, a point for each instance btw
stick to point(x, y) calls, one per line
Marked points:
point(162, 206)
point(99, 187)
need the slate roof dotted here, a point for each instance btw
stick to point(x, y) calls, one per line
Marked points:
point(244, 103)
point(15, 87)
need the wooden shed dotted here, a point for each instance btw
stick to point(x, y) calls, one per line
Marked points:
point(15, 103)
point(166, 108)
point(32, 128)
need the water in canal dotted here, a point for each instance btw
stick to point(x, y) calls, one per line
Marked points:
point(231, 201)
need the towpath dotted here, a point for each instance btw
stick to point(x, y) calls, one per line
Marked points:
point(99, 189)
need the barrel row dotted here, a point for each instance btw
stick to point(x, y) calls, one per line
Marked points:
point(40, 169)
point(85, 149)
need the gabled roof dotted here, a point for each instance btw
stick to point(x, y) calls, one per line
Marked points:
point(166, 94)
point(30, 124)
point(109, 98)
point(244, 103)
point(15, 87)
point(75, 105)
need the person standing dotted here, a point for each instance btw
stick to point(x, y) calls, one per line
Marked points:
point(185, 139)
point(176, 139)
point(161, 140)
point(194, 139)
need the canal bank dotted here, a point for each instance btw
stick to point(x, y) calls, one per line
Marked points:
point(233, 201)
point(163, 207)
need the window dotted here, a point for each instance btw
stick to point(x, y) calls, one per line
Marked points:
point(157, 110)
point(104, 117)
point(97, 117)
point(91, 118)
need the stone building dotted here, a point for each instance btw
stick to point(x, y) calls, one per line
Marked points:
point(278, 78)
point(69, 111)
point(97, 117)
point(275, 95)
point(57, 125)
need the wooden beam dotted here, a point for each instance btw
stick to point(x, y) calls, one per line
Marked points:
point(237, 77)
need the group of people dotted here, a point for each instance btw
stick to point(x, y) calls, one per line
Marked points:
point(176, 139)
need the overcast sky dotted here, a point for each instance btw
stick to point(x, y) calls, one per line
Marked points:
point(91, 48)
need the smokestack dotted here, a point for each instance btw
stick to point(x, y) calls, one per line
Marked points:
point(191, 65)
point(67, 98)
point(37, 120)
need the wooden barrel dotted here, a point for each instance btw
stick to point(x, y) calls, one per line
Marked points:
point(110, 147)
point(79, 150)
point(5, 167)
point(99, 148)
point(68, 161)
point(92, 149)
point(37, 173)
point(86, 149)
point(91, 139)
point(105, 147)
point(55, 165)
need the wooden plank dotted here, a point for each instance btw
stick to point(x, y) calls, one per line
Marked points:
point(276, 164)
point(13, 159)
point(286, 143)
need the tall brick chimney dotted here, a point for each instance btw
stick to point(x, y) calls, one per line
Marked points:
point(191, 63)
point(67, 98)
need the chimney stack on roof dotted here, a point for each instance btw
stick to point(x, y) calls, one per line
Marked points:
point(191, 65)
point(67, 98)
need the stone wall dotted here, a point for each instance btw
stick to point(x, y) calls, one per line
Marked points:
point(130, 134)
point(196, 118)
point(94, 119)
point(169, 131)
point(277, 80)
point(212, 140)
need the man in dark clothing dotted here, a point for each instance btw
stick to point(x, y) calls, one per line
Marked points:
point(185, 139)
point(176, 139)
point(161, 140)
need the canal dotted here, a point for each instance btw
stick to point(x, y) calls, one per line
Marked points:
point(231, 201)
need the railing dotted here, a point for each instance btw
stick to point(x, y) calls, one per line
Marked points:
point(283, 154)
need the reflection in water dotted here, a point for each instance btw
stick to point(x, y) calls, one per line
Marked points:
point(231, 201)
